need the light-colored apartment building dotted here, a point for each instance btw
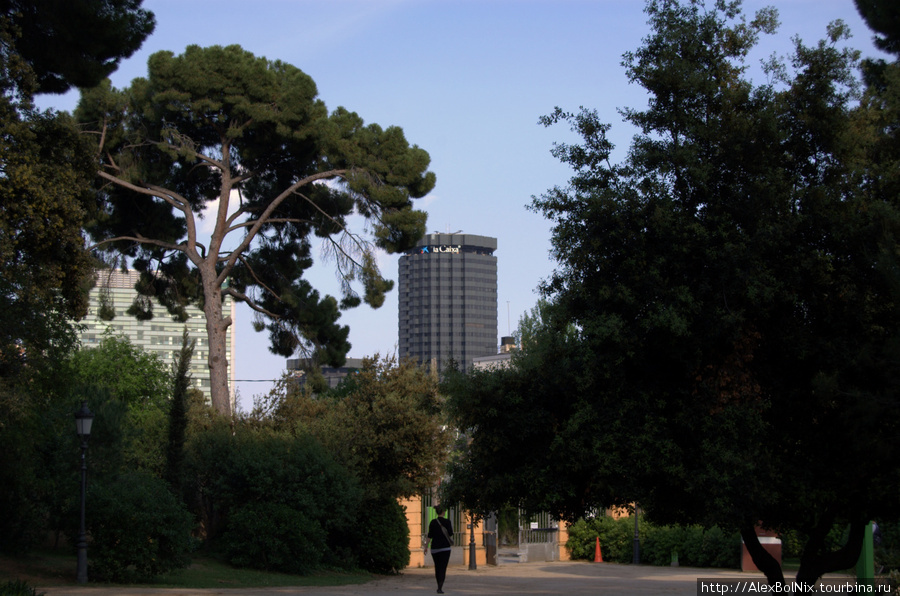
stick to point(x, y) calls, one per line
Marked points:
point(161, 335)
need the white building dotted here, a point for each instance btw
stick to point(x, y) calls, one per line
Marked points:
point(500, 360)
point(161, 335)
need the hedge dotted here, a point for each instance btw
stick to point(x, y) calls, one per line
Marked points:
point(694, 546)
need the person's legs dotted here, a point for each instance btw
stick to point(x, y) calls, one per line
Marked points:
point(441, 560)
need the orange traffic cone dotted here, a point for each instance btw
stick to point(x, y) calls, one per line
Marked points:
point(598, 556)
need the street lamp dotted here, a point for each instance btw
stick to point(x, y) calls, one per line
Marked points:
point(636, 560)
point(84, 418)
point(472, 564)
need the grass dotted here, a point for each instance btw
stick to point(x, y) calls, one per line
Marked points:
point(57, 568)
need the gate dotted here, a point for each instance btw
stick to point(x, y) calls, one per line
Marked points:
point(490, 539)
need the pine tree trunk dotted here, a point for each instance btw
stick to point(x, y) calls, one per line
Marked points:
point(217, 359)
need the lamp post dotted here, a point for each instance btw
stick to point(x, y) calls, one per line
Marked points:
point(472, 564)
point(636, 560)
point(84, 418)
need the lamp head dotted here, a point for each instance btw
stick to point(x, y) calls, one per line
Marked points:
point(84, 418)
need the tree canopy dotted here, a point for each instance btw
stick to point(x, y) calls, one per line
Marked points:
point(45, 190)
point(733, 283)
point(74, 44)
point(383, 422)
point(217, 132)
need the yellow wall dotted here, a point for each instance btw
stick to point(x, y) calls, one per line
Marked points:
point(414, 521)
point(563, 537)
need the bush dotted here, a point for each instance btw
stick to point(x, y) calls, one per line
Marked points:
point(282, 480)
point(384, 543)
point(695, 546)
point(887, 546)
point(138, 529)
point(18, 588)
point(273, 537)
point(793, 541)
point(616, 539)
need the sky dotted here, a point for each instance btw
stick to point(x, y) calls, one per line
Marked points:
point(467, 80)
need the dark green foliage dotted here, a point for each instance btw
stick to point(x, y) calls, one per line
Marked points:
point(139, 387)
point(274, 537)
point(383, 423)
point(52, 38)
point(138, 529)
point(44, 267)
point(793, 542)
point(616, 539)
point(278, 476)
point(178, 421)
point(733, 285)
point(18, 588)
point(695, 546)
point(883, 17)
point(20, 473)
point(48, 166)
point(531, 418)
point(383, 545)
point(887, 546)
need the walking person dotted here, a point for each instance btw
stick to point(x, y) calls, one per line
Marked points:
point(440, 537)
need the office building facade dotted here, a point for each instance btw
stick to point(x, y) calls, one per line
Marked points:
point(160, 335)
point(333, 375)
point(448, 300)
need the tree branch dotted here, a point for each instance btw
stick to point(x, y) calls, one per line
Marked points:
point(764, 561)
point(247, 224)
point(256, 278)
point(142, 240)
point(264, 217)
point(154, 191)
point(239, 296)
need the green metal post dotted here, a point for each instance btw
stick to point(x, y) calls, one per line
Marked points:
point(865, 567)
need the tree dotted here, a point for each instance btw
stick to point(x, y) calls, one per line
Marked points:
point(45, 270)
point(48, 166)
point(50, 35)
point(218, 131)
point(734, 287)
point(385, 425)
point(532, 435)
point(383, 422)
point(178, 415)
point(883, 17)
point(140, 385)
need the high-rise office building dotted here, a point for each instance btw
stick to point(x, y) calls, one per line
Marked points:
point(448, 299)
point(160, 335)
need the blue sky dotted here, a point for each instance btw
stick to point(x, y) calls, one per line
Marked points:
point(467, 81)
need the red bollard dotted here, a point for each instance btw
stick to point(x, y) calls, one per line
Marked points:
point(598, 556)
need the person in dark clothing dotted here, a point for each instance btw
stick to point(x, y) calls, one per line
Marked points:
point(440, 537)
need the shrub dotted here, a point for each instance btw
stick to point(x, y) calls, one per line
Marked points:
point(18, 588)
point(616, 539)
point(283, 480)
point(659, 543)
point(138, 529)
point(724, 550)
point(273, 537)
point(887, 546)
point(793, 541)
point(695, 546)
point(384, 543)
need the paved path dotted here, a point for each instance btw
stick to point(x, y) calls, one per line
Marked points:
point(528, 578)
